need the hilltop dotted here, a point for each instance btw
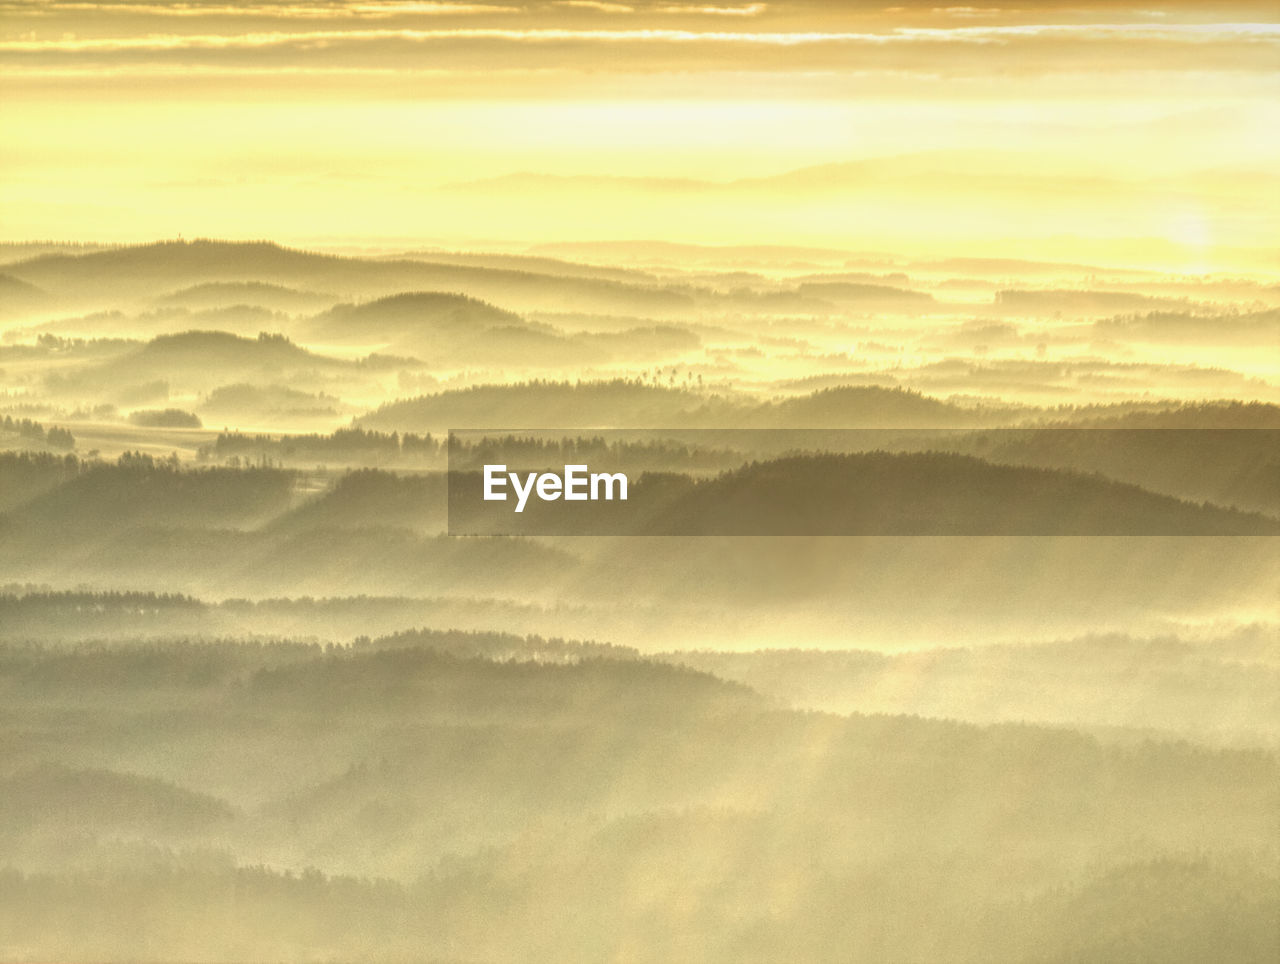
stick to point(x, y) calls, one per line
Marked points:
point(226, 294)
point(539, 404)
point(625, 403)
point(408, 315)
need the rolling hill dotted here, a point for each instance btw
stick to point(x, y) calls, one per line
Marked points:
point(867, 494)
point(539, 404)
point(202, 361)
point(621, 403)
point(933, 494)
point(225, 294)
point(408, 316)
point(121, 272)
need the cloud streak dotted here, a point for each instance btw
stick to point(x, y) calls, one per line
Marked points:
point(597, 5)
point(487, 54)
point(288, 11)
point(1268, 34)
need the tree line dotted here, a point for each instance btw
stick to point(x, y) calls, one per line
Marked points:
point(30, 430)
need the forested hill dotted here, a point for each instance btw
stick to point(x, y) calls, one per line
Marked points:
point(874, 493)
point(939, 494)
point(406, 315)
point(621, 402)
point(421, 781)
point(181, 264)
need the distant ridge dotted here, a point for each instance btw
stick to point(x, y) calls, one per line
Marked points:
point(220, 294)
point(537, 404)
point(635, 404)
point(1225, 414)
point(15, 287)
point(181, 264)
point(408, 314)
point(881, 493)
point(18, 295)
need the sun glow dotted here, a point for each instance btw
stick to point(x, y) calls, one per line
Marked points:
point(379, 120)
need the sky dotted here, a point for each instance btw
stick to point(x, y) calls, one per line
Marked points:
point(1138, 133)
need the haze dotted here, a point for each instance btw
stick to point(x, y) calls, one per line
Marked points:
point(940, 348)
point(1143, 136)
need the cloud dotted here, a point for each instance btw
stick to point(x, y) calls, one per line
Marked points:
point(596, 5)
point(750, 10)
point(356, 9)
point(1174, 33)
point(647, 44)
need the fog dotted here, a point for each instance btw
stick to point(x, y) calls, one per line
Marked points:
point(258, 703)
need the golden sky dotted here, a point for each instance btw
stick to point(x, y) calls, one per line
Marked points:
point(1136, 132)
